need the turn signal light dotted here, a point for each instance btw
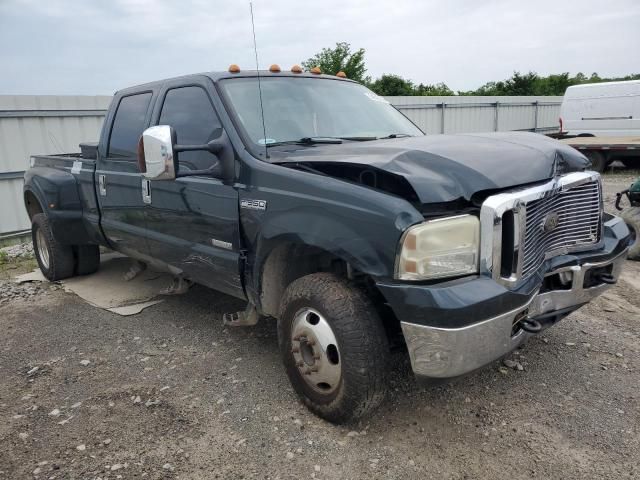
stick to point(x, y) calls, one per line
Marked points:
point(274, 68)
point(316, 70)
point(296, 69)
point(341, 74)
point(233, 68)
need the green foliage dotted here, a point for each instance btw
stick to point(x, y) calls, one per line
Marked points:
point(533, 84)
point(389, 85)
point(439, 89)
point(340, 58)
point(4, 257)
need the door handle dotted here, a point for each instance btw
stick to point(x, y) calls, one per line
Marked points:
point(102, 185)
point(146, 191)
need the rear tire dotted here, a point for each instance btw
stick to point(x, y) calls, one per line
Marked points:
point(631, 216)
point(334, 347)
point(88, 259)
point(598, 160)
point(56, 261)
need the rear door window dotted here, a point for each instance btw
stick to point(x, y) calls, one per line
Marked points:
point(128, 125)
point(190, 112)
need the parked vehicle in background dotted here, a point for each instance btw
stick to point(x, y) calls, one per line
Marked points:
point(336, 215)
point(602, 120)
point(609, 109)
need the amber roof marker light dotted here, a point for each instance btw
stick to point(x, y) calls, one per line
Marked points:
point(233, 68)
point(316, 70)
point(296, 69)
point(341, 74)
point(274, 68)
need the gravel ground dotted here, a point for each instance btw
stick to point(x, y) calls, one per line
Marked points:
point(171, 393)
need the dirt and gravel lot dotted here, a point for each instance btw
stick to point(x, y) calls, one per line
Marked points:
point(171, 393)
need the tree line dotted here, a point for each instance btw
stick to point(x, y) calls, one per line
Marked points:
point(341, 58)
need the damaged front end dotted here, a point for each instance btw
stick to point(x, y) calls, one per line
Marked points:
point(545, 251)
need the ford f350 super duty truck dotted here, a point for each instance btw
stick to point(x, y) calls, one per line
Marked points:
point(323, 207)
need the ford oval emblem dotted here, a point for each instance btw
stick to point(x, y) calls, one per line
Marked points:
point(550, 222)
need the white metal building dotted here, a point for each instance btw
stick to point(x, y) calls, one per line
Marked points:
point(32, 125)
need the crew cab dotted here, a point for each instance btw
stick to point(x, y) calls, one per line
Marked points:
point(320, 205)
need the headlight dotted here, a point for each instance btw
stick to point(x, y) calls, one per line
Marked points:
point(445, 247)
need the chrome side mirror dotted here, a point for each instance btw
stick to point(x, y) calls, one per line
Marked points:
point(156, 153)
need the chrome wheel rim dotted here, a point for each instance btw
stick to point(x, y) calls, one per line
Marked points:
point(315, 351)
point(43, 250)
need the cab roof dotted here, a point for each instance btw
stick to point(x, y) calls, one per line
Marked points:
point(219, 75)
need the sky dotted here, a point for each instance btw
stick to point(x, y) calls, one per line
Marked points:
point(96, 47)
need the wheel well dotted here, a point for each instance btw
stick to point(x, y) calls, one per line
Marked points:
point(290, 261)
point(32, 205)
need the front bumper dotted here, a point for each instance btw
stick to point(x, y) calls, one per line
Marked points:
point(455, 337)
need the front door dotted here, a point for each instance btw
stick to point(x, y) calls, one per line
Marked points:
point(118, 178)
point(193, 221)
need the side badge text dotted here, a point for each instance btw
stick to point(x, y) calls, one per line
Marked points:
point(253, 204)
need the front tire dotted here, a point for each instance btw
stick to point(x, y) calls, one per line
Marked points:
point(334, 347)
point(56, 261)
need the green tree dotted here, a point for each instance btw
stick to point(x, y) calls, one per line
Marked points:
point(439, 89)
point(390, 85)
point(533, 84)
point(340, 58)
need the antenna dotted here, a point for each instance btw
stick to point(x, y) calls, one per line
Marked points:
point(255, 49)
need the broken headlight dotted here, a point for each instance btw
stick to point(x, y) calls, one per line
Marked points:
point(444, 247)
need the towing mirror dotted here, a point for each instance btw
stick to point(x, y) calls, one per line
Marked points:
point(156, 153)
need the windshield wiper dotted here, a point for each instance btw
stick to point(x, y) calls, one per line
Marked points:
point(359, 139)
point(307, 141)
point(396, 135)
point(332, 140)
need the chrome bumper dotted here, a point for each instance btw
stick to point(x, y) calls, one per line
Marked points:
point(449, 352)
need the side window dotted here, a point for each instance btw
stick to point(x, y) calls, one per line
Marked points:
point(128, 125)
point(189, 111)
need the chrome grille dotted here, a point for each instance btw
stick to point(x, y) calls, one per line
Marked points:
point(520, 229)
point(578, 214)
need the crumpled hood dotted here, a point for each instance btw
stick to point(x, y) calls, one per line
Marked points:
point(443, 168)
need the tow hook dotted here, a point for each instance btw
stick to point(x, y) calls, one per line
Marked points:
point(530, 325)
point(607, 278)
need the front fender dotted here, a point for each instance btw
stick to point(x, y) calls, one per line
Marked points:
point(359, 225)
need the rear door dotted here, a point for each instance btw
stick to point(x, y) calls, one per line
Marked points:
point(193, 221)
point(118, 178)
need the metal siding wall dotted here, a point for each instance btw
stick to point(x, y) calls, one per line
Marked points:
point(32, 125)
point(478, 114)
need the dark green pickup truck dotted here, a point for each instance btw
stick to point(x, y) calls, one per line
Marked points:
point(322, 206)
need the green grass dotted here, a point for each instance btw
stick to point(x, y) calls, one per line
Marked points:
point(10, 267)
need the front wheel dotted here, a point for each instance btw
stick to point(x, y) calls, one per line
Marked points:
point(334, 347)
